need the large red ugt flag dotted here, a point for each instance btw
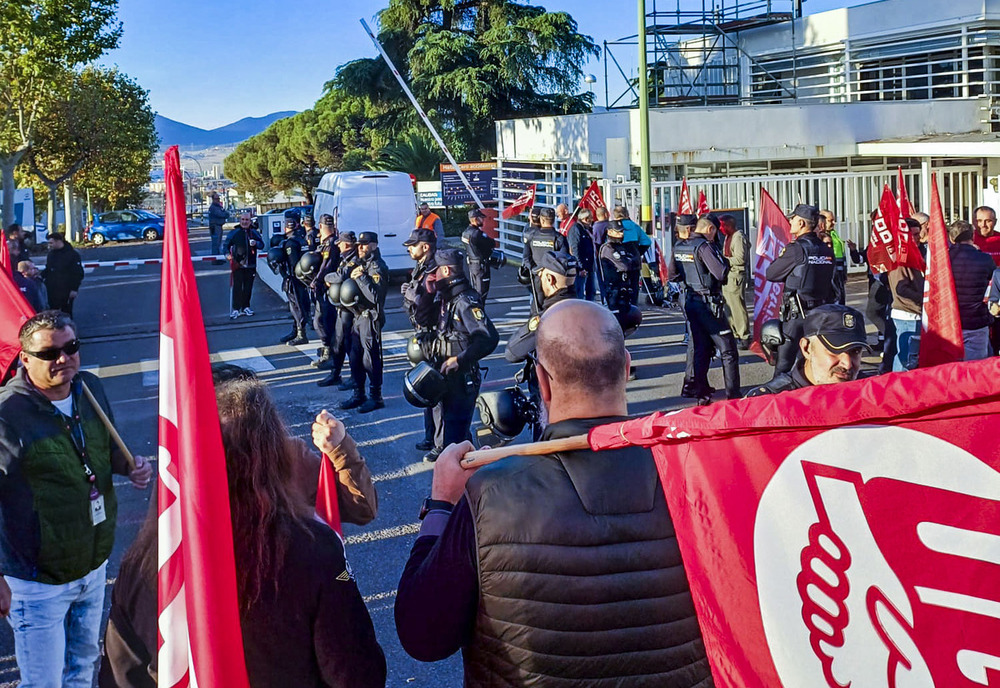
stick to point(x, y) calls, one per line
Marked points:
point(773, 234)
point(841, 535)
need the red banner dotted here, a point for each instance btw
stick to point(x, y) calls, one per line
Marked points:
point(882, 243)
point(941, 338)
point(523, 202)
point(907, 250)
point(773, 234)
point(685, 207)
point(201, 642)
point(591, 200)
point(5, 265)
point(14, 311)
point(327, 501)
point(840, 535)
point(703, 208)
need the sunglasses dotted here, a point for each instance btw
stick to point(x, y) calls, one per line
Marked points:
point(70, 348)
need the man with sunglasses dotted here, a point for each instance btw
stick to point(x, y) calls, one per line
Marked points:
point(57, 506)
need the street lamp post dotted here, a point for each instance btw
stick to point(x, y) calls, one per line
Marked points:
point(201, 181)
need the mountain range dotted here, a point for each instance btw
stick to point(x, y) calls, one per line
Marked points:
point(172, 132)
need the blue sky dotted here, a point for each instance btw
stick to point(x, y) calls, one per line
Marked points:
point(211, 63)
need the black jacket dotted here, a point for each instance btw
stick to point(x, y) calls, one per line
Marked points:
point(373, 283)
point(581, 245)
point(419, 303)
point(63, 272)
point(973, 271)
point(237, 247)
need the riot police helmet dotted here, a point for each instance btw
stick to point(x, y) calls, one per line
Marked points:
point(505, 412)
point(771, 337)
point(351, 295)
point(276, 254)
point(423, 386)
point(629, 318)
point(308, 266)
point(333, 281)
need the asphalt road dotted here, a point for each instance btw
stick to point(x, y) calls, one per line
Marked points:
point(118, 317)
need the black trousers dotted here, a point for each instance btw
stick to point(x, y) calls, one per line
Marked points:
point(453, 415)
point(61, 302)
point(479, 277)
point(324, 318)
point(366, 353)
point(340, 345)
point(242, 287)
point(298, 301)
point(788, 351)
point(708, 330)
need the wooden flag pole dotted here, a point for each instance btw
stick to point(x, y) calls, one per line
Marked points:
point(481, 457)
point(107, 423)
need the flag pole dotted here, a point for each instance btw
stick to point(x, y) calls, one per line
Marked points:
point(482, 457)
point(108, 424)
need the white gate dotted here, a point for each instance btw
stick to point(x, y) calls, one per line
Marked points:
point(553, 182)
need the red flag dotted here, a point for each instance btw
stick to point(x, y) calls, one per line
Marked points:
point(591, 200)
point(773, 234)
point(523, 202)
point(906, 209)
point(201, 642)
point(907, 251)
point(661, 265)
point(14, 311)
point(5, 265)
point(840, 534)
point(703, 208)
point(327, 503)
point(941, 338)
point(684, 207)
point(882, 243)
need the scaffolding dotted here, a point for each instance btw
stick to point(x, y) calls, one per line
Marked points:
point(694, 55)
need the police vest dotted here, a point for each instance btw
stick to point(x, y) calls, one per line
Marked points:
point(426, 222)
point(812, 278)
point(540, 242)
point(692, 268)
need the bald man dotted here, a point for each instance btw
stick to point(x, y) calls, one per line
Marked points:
point(588, 534)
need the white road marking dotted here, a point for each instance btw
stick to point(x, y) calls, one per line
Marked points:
point(249, 357)
point(404, 472)
point(150, 368)
point(95, 369)
point(384, 534)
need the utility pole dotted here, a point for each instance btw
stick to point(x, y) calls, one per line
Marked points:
point(646, 182)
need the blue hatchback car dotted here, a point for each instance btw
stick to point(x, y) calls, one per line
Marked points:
point(121, 225)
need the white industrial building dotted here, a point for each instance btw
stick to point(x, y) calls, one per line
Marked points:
point(819, 109)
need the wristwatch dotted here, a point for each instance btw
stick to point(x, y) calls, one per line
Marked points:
point(430, 505)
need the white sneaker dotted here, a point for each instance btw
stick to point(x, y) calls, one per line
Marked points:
point(234, 315)
point(247, 311)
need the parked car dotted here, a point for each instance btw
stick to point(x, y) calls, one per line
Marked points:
point(121, 225)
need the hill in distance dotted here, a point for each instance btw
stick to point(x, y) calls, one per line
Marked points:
point(172, 132)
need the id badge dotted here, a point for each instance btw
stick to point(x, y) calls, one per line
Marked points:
point(97, 513)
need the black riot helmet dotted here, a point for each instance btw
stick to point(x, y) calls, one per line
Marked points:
point(351, 296)
point(276, 241)
point(629, 319)
point(771, 337)
point(524, 274)
point(333, 281)
point(308, 266)
point(276, 255)
point(505, 412)
point(423, 385)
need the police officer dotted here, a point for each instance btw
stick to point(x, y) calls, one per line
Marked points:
point(312, 232)
point(372, 278)
point(297, 293)
point(340, 344)
point(537, 242)
point(325, 313)
point(479, 247)
point(806, 266)
point(833, 340)
point(557, 275)
point(620, 263)
point(699, 265)
point(465, 336)
point(419, 302)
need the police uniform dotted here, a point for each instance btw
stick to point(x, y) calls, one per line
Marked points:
point(537, 242)
point(466, 333)
point(479, 247)
point(620, 263)
point(311, 231)
point(806, 266)
point(297, 293)
point(366, 335)
point(325, 313)
point(698, 264)
point(340, 343)
point(422, 309)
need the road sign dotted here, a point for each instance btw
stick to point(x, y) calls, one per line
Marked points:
point(482, 176)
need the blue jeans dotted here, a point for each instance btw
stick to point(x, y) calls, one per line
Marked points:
point(586, 287)
point(905, 330)
point(56, 630)
point(216, 234)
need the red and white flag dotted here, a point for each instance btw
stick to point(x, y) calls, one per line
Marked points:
point(703, 208)
point(685, 207)
point(941, 336)
point(201, 643)
point(591, 200)
point(661, 265)
point(840, 535)
point(14, 311)
point(773, 234)
point(882, 243)
point(5, 265)
point(523, 202)
point(906, 209)
point(907, 250)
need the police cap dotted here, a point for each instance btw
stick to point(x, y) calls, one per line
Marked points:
point(368, 238)
point(548, 213)
point(450, 257)
point(476, 213)
point(291, 222)
point(615, 229)
point(687, 220)
point(809, 213)
point(326, 219)
point(347, 237)
point(839, 327)
point(560, 263)
point(308, 221)
point(421, 235)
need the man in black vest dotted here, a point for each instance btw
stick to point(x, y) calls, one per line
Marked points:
point(806, 267)
point(340, 344)
point(420, 304)
point(479, 247)
point(537, 242)
point(542, 569)
point(701, 268)
point(372, 278)
point(295, 291)
point(325, 313)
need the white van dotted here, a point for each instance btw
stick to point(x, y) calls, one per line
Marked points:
point(381, 202)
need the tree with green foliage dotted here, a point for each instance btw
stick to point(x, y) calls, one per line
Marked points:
point(415, 153)
point(39, 41)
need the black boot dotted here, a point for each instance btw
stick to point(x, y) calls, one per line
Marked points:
point(300, 338)
point(354, 402)
point(347, 385)
point(290, 336)
point(374, 401)
point(324, 356)
point(330, 380)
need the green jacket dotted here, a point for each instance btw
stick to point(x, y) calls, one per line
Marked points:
point(46, 533)
point(837, 245)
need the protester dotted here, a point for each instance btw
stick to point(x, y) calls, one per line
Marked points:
point(829, 222)
point(57, 505)
point(833, 339)
point(988, 241)
point(600, 226)
point(907, 286)
point(29, 282)
point(242, 245)
point(972, 270)
point(63, 273)
point(217, 216)
point(581, 246)
point(303, 620)
point(546, 569)
point(18, 250)
point(735, 249)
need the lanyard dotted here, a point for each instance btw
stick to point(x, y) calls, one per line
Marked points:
point(76, 435)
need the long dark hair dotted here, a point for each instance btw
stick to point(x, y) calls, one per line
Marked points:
point(264, 502)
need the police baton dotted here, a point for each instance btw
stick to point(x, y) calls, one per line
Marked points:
point(107, 423)
point(481, 457)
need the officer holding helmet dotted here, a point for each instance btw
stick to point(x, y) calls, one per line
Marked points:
point(325, 314)
point(465, 336)
point(419, 302)
point(371, 276)
point(806, 266)
point(340, 344)
point(620, 263)
point(293, 246)
point(833, 340)
point(537, 242)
